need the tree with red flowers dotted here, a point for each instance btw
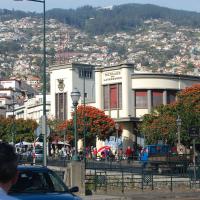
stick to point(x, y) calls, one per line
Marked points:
point(161, 123)
point(97, 124)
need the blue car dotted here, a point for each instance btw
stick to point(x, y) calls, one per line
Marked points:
point(41, 183)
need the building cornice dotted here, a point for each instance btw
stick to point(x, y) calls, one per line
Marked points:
point(68, 66)
point(114, 67)
point(128, 119)
point(165, 76)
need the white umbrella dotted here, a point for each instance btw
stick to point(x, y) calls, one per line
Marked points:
point(23, 143)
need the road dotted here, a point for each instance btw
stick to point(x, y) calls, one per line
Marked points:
point(152, 195)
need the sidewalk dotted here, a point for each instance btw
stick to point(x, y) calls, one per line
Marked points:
point(149, 195)
point(104, 197)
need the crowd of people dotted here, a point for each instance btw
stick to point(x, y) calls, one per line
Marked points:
point(92, 153)
point(116, 154)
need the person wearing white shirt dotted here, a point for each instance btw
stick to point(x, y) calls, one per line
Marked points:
point(8, 170)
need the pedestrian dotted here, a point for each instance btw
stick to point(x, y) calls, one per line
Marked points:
point(129, 154)
point(94, 153)
point(8, 170)
point(120, 154)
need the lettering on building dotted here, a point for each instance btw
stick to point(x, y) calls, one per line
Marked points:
point(112, 76)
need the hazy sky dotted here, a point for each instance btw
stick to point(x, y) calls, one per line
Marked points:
point(191, 5)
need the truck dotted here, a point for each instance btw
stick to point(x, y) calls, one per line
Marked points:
point(161, 158)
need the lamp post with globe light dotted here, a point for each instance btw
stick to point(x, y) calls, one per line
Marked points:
point(75, 95)
point(178, 123)
point(117, 136)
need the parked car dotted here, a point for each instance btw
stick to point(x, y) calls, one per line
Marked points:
point(38, 154)
point(26, 156)
point(41, 183)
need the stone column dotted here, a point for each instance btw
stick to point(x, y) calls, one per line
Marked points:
point(126, 92)
point(75, 176)
point(98, 89)
point(134, 103)
point(149, 100)
point(165, 97)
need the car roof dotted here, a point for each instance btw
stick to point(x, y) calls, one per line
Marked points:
point(33, 168)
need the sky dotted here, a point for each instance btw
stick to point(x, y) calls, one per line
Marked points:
point(26, 5)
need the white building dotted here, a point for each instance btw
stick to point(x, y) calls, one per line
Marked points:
point(21, 101)
point(63, 79)
point(33, 108)
point(122, 93)
point(10, 91)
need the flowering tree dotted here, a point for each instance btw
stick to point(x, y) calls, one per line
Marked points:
point(97, 124)
point(161, 123)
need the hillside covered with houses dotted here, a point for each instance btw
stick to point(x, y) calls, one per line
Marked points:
point(155, 45)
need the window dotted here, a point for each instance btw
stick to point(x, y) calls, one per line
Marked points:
point(157, 98)
point(141, 99)
point(171, 96)
point(85, 72)
point(61, 106)
point(112, 96)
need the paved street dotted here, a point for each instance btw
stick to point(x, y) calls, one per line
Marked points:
point(155, 195)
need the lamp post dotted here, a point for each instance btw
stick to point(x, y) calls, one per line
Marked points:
point(44, 120)
point(84, 122)
point(75, 95)
point(117, 132)
point(13, 125)
point(178, 123)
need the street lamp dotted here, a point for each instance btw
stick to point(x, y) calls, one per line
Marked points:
point(117, 132)
point(75, 95)
point(44, 120)
point(178, 123)
point(84, 121)
point(13, 118)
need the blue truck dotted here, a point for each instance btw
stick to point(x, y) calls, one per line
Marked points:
point(153, 151)
point(160, 157)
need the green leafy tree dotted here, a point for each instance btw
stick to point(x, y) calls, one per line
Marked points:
point(161, 123)
point(22, 129)
point(55, 132)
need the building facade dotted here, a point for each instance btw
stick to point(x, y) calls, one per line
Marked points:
point(33, 108)
point(124, 95)
point(63, 79)
point(19, 100)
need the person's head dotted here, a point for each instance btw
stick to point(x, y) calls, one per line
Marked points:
point(8, 164)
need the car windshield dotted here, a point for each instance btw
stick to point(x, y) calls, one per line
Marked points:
point(31, 181)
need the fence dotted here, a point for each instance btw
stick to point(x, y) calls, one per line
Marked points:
point(121, 177)
point(112, 176)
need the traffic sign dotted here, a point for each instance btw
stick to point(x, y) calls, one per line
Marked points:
point(194, 131)
point(38, 131)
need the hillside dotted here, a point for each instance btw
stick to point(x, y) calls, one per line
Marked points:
point(122, 18)
point(119, 18)
point(154, 44)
